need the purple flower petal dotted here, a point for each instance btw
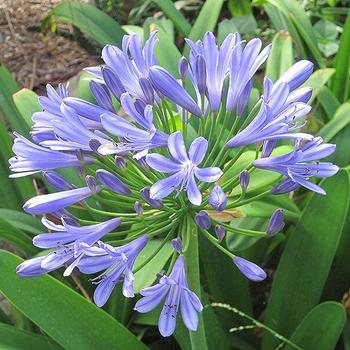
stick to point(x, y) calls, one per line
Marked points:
point(208, 174)
point(112, 182)
point(197, 150)
point(162, 164)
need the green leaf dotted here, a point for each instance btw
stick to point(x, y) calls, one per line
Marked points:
point(292, 10)
point(61, 313)
point(148, 274)
point(226, 27)
point(246, 24)
point(16, 237)
point(318, 79)
point(8, 86)
point(321, 327)
point(325, 29)
point(340, 120)
point(22, 221)
point(166, 51)
point(90, 20)
point(12, 338)
point(281, 56)
point(239, 7)
point(206, 20)
point(341, 79)
point(307, 258)
point(180, 22)
point(27, 103)
point(328, 101)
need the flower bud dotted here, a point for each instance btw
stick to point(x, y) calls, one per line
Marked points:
point(183, 67)
point(202, 220)
point(120, 162)
point(112, 182)
point(244, 180)
point(147, 90)
point(113, 82)
point(102, 96)
point(220, 232)
point(201, 74)
point(177, 244)
point(145, 194)
point(217, 198)
point(94, 145)
point(138, 208)
point(91, 183)
point(249, 269)
point(268, 147)
point(58, 181)
point(276, 223)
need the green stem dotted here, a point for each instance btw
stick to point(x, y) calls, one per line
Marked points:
point(191, 255)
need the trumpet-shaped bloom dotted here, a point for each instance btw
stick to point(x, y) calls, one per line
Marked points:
point(184, 168)
point(301, 164)
point(31, 158)
point(216, 63)
point(49, 203)
point(117, 263)
point(128, 65)
point(72, 242)
point(167, 85)
point(132, 138)
point(244, 64)
point(178, 296)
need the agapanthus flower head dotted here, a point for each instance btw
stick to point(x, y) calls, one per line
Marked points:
point(175, 290)
point(301, 164)
point(184, 168)
point(139, 142)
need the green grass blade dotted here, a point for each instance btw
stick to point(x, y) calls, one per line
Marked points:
point(180, 22)
point(90, 20)
point(65, 316)
point(307, 258)
point(341, 80)
point(321, 327)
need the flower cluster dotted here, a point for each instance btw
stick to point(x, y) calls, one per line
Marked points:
point(152, 154)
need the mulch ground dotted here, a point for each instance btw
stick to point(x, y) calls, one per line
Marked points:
point(34, 57)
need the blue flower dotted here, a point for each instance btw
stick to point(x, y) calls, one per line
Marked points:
point(183, 167)
point(31, 158)
point(165, 84)
point(71, 134)
point(282, 109)
point(300, 165)
point(49, 203)
point(128, 65)
point(132, 138)
point(117, 263)
point(72, 243)
point(276, 223)
point(112, 182)
point(249, 269)
point(244, 64)
point(216, 63)
point(202, 220)
point(178, 295)
point(217, 198)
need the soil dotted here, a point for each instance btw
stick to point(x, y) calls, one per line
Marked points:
point(35, 57)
